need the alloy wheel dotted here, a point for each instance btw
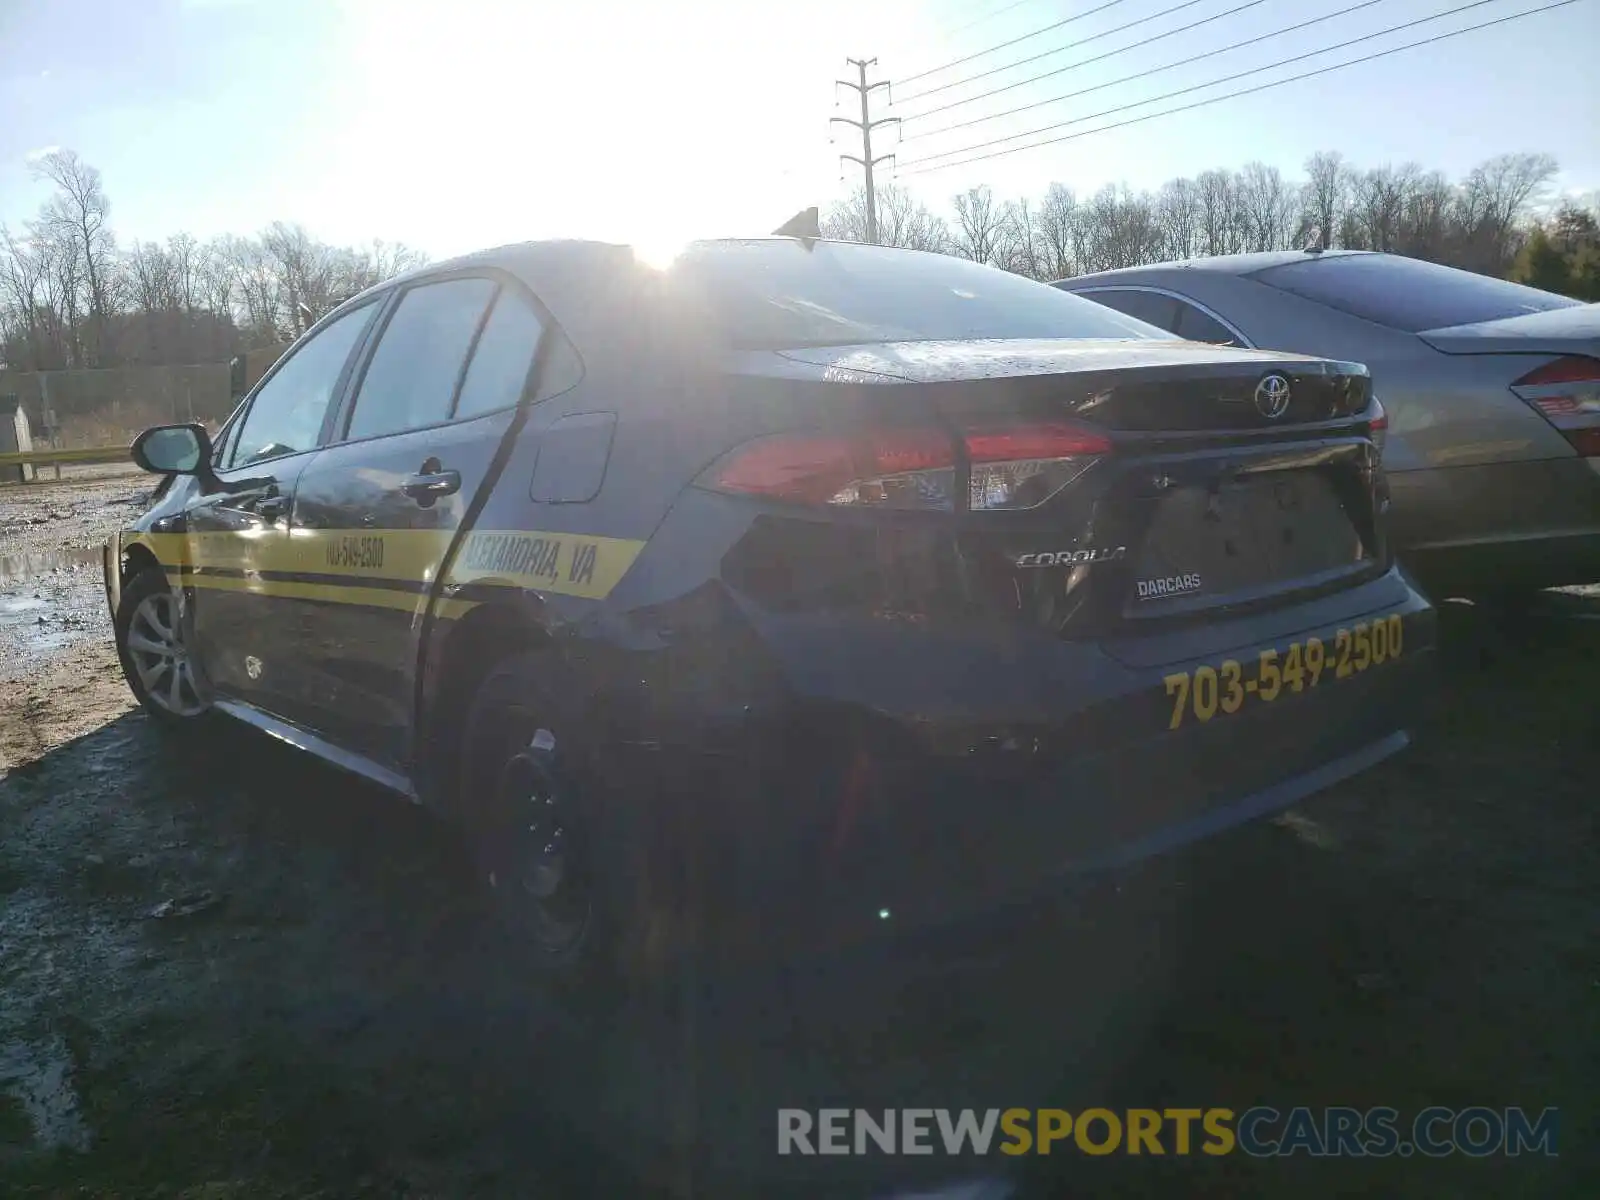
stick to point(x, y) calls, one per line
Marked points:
point(160, 655)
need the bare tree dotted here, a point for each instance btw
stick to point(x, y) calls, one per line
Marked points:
point(304, 270)
point(980, 225)
point(1269, 206)
point(903, 220)
point(25, 319)
point(1021, 242)
point(1425, 217)
point(1494, 198)
point(78, 216)
point(1178, 214)
point(69, 299)
point(1325, 197)
point(1119, 229)
point(185, 253)
point(1378, 200)
point(257, 286)
point(1058, 232)
point(216, 278)
point(1219, 219)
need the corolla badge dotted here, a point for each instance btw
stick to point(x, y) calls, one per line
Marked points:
point(1071, 558)
point(1272, 396)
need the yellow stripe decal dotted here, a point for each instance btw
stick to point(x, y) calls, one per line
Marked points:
point(566, 564)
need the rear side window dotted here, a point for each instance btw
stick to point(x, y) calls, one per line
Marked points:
point(774, 294)
point(1150, 307)
point(411, 379)
point(1195, 325)
point(503, 356)
point(1407, 293)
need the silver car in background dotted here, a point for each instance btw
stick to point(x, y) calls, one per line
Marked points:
point(1492, 391)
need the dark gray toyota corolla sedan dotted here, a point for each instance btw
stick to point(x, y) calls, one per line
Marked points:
point(820, 585)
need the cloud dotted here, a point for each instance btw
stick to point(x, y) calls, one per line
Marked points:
point(33, 156)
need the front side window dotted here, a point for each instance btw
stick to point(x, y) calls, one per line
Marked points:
point(777, 294)
point(411, 380)
point(286, 415)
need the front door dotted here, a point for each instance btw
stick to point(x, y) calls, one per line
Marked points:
point(380, 507)
point(237, 549)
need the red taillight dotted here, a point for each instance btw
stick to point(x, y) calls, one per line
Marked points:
point(1016, 444)
point(1566, 391)
point(1585, 441)
point(1377, 425)
point(819, 468)
point(1572, 369)
point(1011, 466)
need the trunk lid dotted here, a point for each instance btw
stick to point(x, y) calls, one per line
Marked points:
point(1230, 479)
point(1144, 385)
point(1571, 330)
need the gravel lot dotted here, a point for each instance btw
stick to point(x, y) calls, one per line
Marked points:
point(322, 1012)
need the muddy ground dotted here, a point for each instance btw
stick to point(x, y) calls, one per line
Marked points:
point(322, 1011)
point(50, 538)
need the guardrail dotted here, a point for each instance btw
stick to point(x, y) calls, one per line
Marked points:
point(57, 458)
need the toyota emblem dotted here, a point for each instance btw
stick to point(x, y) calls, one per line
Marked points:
point(1272, 397)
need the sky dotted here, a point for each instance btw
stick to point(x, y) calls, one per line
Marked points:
point(457, 124)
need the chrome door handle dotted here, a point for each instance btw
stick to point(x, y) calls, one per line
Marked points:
point(427, 488)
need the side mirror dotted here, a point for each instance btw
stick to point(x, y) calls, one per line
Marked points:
point(174, 450)
point(237, 385)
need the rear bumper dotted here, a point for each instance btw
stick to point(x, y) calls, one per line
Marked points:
point(818, 823)
point(1502, 564)
point(1499, 526)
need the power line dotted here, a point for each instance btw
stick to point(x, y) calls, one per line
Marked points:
point(976, 21)
point(1149, 41)
point(1022, 62)
point(1036, 33)
point(1182, 62)
point(1233, 95)
point(1282, 62)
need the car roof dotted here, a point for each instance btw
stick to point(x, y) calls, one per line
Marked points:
point(565, 272)
point(559, 256)
point(1223, 264)
point(569, 275)
point(567, 252)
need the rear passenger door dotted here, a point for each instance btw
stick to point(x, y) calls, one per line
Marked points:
point(378, 508)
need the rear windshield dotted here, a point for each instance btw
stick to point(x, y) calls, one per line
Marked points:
point(1407, 293)
point(776, 294)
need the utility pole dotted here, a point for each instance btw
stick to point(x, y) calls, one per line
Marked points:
point(866, 125)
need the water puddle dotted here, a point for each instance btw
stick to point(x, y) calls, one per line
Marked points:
point(18, 568)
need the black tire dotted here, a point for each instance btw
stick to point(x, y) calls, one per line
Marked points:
point(526, 769)
point(146, 591)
